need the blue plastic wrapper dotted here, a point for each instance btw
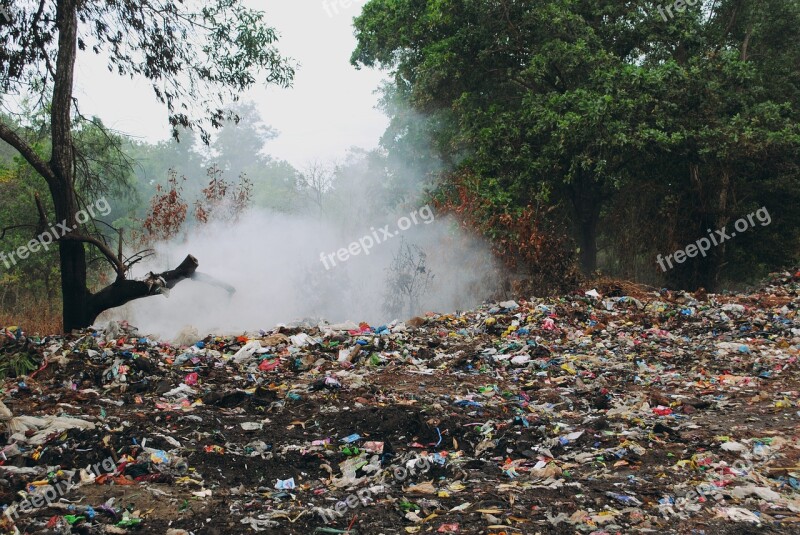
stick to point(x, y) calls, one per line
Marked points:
point(438, 459)
point(624, 498)
point(467, 403)
point(285, 484)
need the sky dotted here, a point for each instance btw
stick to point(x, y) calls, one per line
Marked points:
point(330, 108)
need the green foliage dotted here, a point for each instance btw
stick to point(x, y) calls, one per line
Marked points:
point(239, 148)
point(35, 277)
point(17, 364)
point(18, 357)
point(577, 104)
point(197, 56)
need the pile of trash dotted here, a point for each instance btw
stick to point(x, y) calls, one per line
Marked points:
point(600, 412)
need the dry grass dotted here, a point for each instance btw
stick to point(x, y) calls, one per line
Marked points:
point(609, 285)
point(35, 318)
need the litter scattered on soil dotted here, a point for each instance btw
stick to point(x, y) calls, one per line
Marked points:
point(607, 411)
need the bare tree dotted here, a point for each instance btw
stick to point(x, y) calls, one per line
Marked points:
point(408, 278)
point(315, 182)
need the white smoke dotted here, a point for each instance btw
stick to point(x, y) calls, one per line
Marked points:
point(273, 261)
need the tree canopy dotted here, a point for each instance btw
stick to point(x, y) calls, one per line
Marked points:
point(607, 111)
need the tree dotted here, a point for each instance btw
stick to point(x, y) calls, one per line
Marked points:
point(533, 96)
point(222, 200)
point(314, 183)
point(196, 56)
point(167, 212)
point(240, 148)
point(34, 280)
point(568, 103)
point(407, 279)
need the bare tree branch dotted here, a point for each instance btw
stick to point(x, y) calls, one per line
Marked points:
point(115, 262)
point(15, 140)
point(5, 230)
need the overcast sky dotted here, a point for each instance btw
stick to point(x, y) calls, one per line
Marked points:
point(330, 108)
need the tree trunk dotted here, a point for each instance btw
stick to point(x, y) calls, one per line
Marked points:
point(588, 245)
point(714, 198)
point(72, 255)
point(587, 202)
point(720, 218)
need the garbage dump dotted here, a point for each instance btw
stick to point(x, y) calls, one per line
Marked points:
point(607, 411)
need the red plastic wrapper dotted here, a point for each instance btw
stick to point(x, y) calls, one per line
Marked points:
point(268, 365)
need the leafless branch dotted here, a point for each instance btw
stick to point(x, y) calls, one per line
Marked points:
point(15, 140)
point(115, 262)
point(14, 227)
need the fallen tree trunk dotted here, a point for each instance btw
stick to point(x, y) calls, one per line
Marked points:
point(84, 306)
point(124, 291)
